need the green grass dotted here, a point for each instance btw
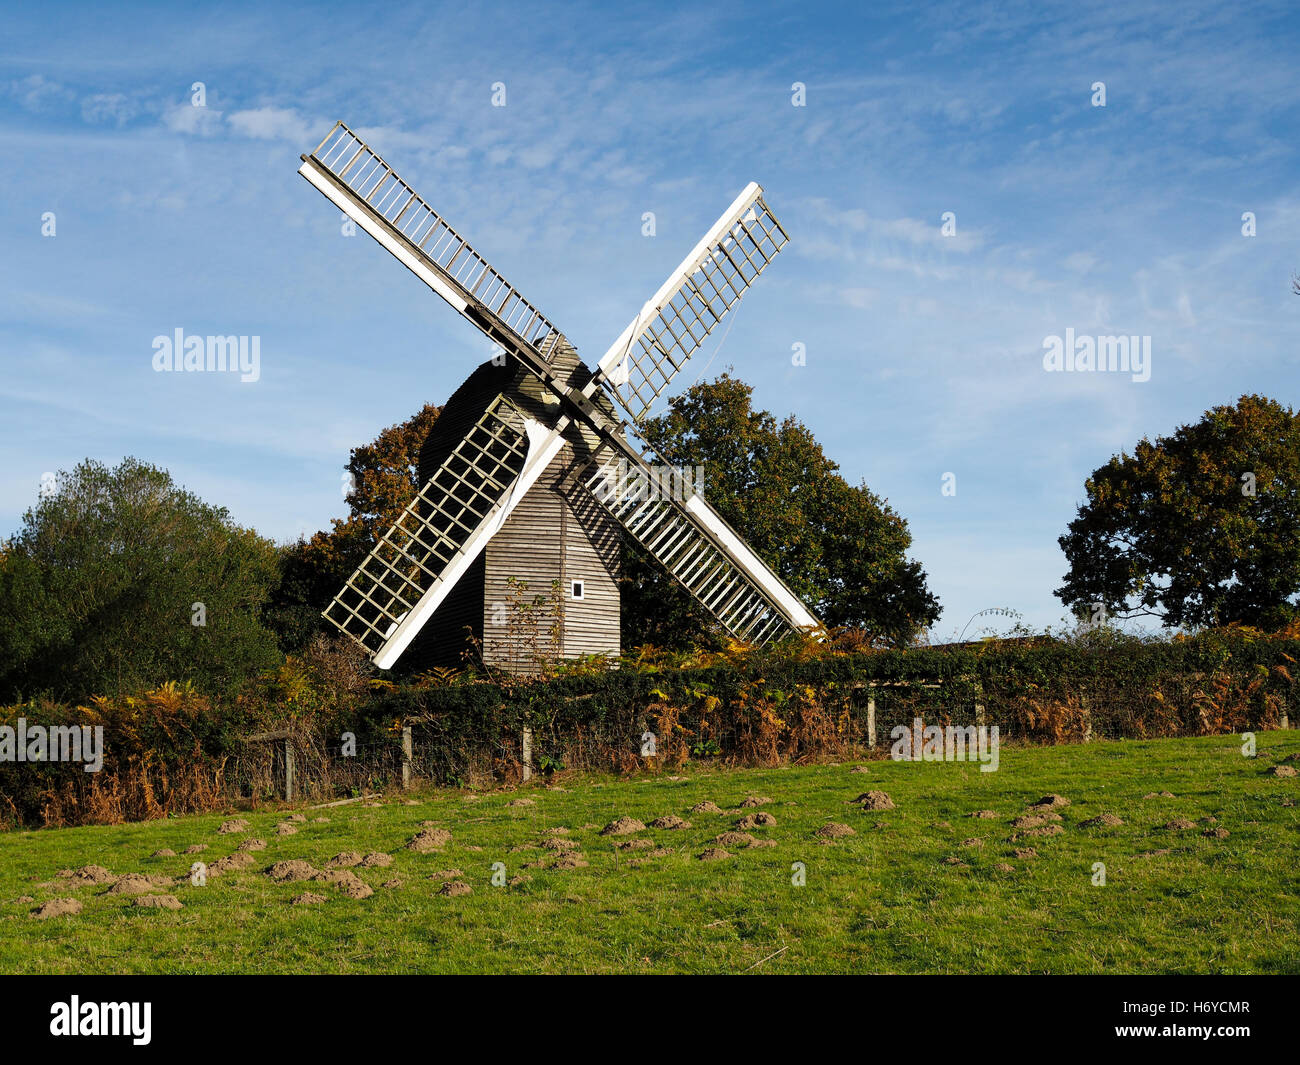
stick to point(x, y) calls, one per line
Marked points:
point(879, 901)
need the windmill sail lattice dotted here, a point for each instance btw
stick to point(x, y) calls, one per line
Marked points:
point(642, 362)
point(465, 503)
point(690, 556)
point(436, 529)
point(353, 175)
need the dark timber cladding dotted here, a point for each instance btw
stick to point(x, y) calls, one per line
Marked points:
point(554, 537)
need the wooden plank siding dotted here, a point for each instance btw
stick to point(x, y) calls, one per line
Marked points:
point(545, 541)
point(554, 534)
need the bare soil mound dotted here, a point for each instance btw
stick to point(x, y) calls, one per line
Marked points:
point(622, 826)
point(754, 800)
point(1102, 821)
point(874, 800)
point(1034, 820)
point(307, 898)
point(238, 860)
point(983, 815)
point(761, 819)
point(131, 884)
point(1050, 802)
point(56, 908)
point(1179, 824)
point(452, 888)
point(706, 807)
point(344, 860)
point(237, 824)
point(376, 860)
point(160, 902)
point(89, 874)
point(669, 821)
point(252, 845)
point(714, 854)
point(347, 882)
point(165, 852)
point(295, 869)
point(1159, 795)
point(429, 839)
point(195, 848)
point(522, 802)
point(735, 839)
point(834, 830)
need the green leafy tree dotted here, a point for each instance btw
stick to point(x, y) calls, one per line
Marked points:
point(838, 546)
point(1198, 528)
point(383, 478)
point(102, 588)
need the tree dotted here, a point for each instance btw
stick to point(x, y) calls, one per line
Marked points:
point(1199, 528)
point(121, 579)
point(838, 546)
point(383, 478)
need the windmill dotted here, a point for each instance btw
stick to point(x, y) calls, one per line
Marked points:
point(534, 426)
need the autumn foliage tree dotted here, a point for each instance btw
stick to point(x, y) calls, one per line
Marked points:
point(1198, 528)
point(382, 478)
point(838, 546)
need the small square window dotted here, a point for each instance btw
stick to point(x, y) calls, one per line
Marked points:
point(578, 590)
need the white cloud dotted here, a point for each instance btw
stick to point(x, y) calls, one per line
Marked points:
point(186, 118)
point(108, 107)
point(277, 124)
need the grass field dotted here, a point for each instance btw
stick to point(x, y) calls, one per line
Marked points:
point(888, 898)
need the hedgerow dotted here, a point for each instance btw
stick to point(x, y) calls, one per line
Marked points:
point(173, 749)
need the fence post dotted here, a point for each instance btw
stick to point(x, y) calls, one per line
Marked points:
point(526, 754)
point(979, 704)
point(288, 769)
point(871, 718)
point(1087, 718)
point(407, 754)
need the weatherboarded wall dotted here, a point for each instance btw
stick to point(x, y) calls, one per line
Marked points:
point(546, 540)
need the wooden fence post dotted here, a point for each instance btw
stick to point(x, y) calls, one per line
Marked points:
point(288, 769)
point(871, 718)
point(979, 704)
point(526, 754)
point(407, 754)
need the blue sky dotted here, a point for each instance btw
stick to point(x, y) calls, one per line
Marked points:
point(924, 351)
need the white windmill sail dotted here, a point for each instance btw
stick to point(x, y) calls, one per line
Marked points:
point(420, 559)
point(699, 550)
point(651, 351)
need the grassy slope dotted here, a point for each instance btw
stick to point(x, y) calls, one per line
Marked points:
point(881, 900)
